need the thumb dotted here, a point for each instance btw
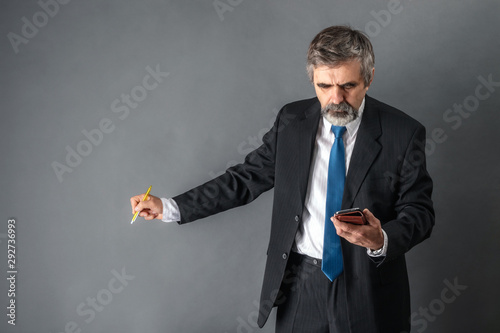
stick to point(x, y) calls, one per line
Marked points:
point(370, 218)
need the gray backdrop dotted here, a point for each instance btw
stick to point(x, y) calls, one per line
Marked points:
point(86, 125)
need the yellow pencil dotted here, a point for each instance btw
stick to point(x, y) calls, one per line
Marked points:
point(145, 197)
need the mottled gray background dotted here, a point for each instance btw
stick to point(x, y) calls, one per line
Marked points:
point(229, 73)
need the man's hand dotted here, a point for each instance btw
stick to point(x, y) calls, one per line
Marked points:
point(151, 208)
point(369, 235)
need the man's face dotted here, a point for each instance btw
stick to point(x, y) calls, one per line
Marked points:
point(340, 91)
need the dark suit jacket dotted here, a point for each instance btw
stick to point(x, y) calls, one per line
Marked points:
point(387, 174)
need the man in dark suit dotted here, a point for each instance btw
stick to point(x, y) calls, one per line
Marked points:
point(377, 162)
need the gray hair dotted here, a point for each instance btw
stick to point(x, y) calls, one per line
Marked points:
point(339, 44)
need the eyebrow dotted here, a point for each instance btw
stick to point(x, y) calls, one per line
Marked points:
point(343, 85)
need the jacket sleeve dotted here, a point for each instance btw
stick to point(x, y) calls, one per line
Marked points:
point(415, 213)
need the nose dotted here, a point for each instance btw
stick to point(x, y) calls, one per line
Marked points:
point(337, 95)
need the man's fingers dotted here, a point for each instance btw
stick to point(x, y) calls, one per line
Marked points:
point(149, 209)
point(133, 203)
point(142, 205)
point(342, 227)
point(150, 216)
point(135, 200)
point(362, 235)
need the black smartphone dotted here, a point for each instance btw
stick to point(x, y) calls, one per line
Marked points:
point(351, 215)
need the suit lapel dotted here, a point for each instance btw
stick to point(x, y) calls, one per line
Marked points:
point(307, 130)
point(365, 151)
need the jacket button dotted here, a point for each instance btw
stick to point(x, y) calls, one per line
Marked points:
point(297, 218)
point(284, 256)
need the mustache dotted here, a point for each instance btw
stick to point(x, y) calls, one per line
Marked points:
point(343, 106)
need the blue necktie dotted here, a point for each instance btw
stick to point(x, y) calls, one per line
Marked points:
point(332, 264)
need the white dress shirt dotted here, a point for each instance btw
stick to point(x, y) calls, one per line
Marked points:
point(309, 238)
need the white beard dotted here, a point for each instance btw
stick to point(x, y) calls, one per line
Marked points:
point(347, 114)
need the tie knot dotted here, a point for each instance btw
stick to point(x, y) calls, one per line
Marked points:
point(338, 131)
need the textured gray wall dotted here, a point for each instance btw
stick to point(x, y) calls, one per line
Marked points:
point(69, 72)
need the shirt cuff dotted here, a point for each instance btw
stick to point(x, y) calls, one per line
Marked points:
point(171, 211)
point(380, 252)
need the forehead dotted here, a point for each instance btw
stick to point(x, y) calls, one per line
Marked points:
point(344, 72)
